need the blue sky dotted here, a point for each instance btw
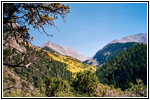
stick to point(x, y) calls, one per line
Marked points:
point(90, 26)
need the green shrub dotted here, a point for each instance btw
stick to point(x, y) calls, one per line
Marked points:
point(57, 87)
point(86, 82)
point(138, 90)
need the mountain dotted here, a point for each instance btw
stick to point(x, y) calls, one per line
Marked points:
point(22, 80)
point(27, 69)
point(92, 61)
point(125, 68)
point(110, 51)
point(63, 50)
point(53, 75)
point(30, 71)
point(115, 47)
point(140, 38)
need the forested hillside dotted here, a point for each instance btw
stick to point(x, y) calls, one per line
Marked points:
point(36, 72)
point(125, 68)
point(31, 71)
point(35, 67)
point(73, 65)
point(110, 51)
point(55, 75)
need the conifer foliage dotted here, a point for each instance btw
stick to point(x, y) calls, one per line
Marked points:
point(35, 14)
point(125, 68)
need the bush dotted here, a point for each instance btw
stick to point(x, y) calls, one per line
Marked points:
point(57, 87)
point(138, 90)
point(86, 82)
point(108, 91)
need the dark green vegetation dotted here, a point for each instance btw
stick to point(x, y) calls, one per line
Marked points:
point(41, 67)
point(30, 71)
point(86, 84)
point(15, 86)
point(46, 76)
point(110, 51)
point(58, 88)
point(21, 58)
point(125, 68)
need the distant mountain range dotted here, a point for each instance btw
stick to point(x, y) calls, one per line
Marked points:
point(63, 50)
point(109, 51)
point(115, 47)
point(140, 38)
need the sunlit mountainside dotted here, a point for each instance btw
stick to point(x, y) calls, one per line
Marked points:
point(73, 65)
point(119, 69)
point(63, 50)
point(47, 68)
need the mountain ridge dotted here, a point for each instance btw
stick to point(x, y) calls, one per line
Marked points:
point(140, 38)
point(115, 47)
point(64, 50)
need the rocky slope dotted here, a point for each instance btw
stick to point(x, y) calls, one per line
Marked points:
point(63, 50)
point(140, 37)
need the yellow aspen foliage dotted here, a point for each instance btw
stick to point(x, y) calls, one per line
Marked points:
point(74, 65)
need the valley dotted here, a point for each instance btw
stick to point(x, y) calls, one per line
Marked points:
point(38, 64)
point(50, 65)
